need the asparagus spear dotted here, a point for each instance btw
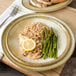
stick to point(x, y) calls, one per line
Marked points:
point(50, 54)
point(54, 46)
point(47, 39)
point(45, 30)
point(46, 52)
point(56, 49)
point(44, 36)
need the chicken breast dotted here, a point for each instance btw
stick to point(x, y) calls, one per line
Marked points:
point(46, 2)
point(33, 54)
point(37, 4)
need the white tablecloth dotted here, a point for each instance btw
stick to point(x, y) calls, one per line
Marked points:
point(22, 11)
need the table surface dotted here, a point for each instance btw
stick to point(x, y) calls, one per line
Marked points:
point(69, 69)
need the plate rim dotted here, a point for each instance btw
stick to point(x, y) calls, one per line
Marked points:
point(38, 64)
point(59, 6)
point(37, 69)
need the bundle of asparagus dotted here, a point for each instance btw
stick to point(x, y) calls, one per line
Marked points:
point(49, 44)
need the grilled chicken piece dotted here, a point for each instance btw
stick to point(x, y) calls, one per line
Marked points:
point(46, 2)
point(57, 1)
point(37, 4)
point(33, 54)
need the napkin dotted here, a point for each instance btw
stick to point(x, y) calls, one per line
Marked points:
point(22, 11)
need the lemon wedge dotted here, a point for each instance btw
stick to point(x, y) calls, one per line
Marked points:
point(28, 45)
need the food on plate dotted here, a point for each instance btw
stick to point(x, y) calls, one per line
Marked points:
point(38, 41)
point(37, 4)
point(44, 3)
point(57, 1)
point(28, 44)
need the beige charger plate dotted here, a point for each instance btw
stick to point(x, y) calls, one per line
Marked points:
point(13, 54)
point(46, 9)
